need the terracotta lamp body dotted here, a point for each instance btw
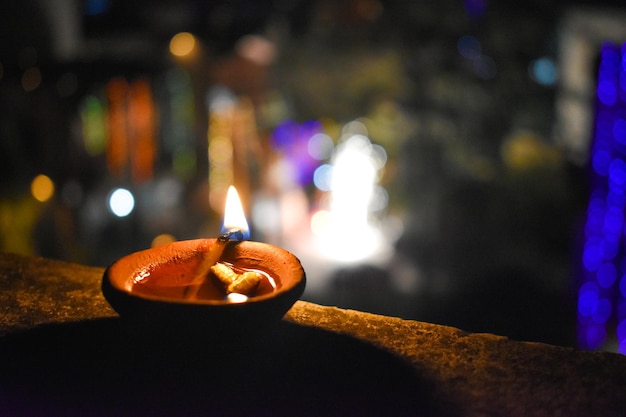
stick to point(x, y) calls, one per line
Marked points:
point(150, 288)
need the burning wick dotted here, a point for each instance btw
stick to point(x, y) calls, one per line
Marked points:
point(236, 229)
point(232, 234)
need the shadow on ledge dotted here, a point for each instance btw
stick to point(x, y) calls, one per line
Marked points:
point(100, 367)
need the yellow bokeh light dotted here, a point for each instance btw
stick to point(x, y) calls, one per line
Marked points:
point(182, 44)
point(42, 188)
point(162, 239)
point(321, 223)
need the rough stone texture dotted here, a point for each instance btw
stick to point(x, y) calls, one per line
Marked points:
point(450, 372)
point(35, 291)
point(485, 374)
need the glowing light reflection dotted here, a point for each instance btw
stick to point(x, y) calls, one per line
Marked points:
point(235, 297)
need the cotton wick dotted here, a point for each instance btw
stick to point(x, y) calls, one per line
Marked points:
point(231, 234)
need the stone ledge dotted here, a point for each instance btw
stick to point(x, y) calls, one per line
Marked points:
point(456, 372)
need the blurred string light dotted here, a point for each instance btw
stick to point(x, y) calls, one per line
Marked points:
point(177, 124)
point(117, 138)
point(121, 202)
point(602, 293)
point(141, 121)
point(122, 124)
point(42, 188)
point(221, 104)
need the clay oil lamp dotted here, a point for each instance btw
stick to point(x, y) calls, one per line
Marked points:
point(225, 284)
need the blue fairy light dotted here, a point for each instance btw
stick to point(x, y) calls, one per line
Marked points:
point(602, 291)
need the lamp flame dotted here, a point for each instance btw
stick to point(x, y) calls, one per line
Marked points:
point(235, 225)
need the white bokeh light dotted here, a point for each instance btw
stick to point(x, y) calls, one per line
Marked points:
point(121, 202)
point(352, 180)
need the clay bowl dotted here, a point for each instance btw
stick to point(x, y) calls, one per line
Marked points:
point(172, 265)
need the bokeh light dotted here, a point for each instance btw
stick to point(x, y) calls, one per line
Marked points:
point(322, 177)
point(257, 49)
point(162, 239)
point(469, 47)
point(602, 293)
point(354, 196)
point(320, 146)
point(92, 113)
point(543, 71)
point(182, 44)
point(95, 7)
point(121, 202)
point(321, 222)
point(42, 188)
point(31, 79)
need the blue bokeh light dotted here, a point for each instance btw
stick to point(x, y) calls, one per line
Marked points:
point(601, 161)
point(607, 93)
point(475, 8)
point(595, 336)
point(469, 47)
point(607, 275)
point(621, 330)
point(622, 286)
point(602, 292)
point(292, 140)
point(592, 256)
point(543, 71)
point(602, 311)
point(610, 248)
point(587, 302)
point(95, 7)
point(619, 130)
point(322, 177)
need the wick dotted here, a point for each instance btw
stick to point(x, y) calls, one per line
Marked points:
point(209, 259)
point(231, 234)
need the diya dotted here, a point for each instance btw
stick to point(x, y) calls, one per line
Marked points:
point(223, 283)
